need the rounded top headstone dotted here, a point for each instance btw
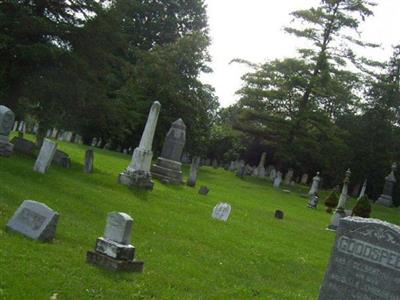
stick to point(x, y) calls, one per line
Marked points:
point(6, 120)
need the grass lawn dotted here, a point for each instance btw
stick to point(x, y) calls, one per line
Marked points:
point(187, 254)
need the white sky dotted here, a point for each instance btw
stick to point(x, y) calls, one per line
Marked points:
point(253, 30)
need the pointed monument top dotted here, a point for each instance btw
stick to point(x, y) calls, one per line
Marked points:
point(179, 124)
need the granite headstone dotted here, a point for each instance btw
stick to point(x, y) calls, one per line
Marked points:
point(365, 262)
point(34, 220)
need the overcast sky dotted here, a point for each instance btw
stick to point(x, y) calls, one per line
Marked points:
point(253, 30)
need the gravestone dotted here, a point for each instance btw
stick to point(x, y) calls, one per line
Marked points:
point(34, 220)
point(7, 118)
point(113, 251)
point(340, 212)
point(390, 181)
point(194, 168)
point(45, 156)
point(272, 174)
point(15, 126)
point(24, 146)
point(363, 190)
point(315, 185)
point(232, 166)
point(89, 160)
point(221, 212)
point(304, 179)
point(203, 190)
point(168, 165)
point(288, 177)
point(54, 133)
point(278, 179)
point(279, 214)
point(365, 262)
point(260, 170)
point(137, 174)
point(241, 169)
point(62, 159)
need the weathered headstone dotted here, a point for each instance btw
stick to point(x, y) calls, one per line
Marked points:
point(34, 220)
point(390, 181)
point(15, 127)
point(221, 212)
point(304, 179)
point(62, 159)
point(315, 185)
point(194, 168)
point(7, 118)
point(363, 190)
point(272, 174)
point(241, 169)
point(260, 170)
point(278, 179)
point(24, 146)
point(168, 165)
point(365, 262)
point(340, 209)
point(203, 190)
point(113, 251)
point(288, 177)
point(138, 172)
point(89, 160)
point(45, 156)
point(279, 214)
point(232, 166)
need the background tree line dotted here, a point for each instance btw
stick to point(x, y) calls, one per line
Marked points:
point(95, 67)
point(326, 109)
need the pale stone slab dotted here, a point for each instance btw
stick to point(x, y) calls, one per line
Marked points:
point(89, 159)
point(365, 262)
point(34, 220)
point(45, 156)
point(118, 228)
point(221, 212)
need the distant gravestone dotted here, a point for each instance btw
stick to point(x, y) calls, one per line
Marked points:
point(278, 179)
point(194, 168)
point(45, 157)
point(113, 251)
point(203, 191)
point(279, 214)
point(89, 159)
point(221, 212)
point(365, 262)
point(7, 118)
point(288, 177)
point(34, 220)
point(62, 159)
point(23, 146)
point(304, 179)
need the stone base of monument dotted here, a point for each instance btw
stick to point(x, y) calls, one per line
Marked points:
point(113, 256)
point(6, 148)
point(112, 264)
point(337, 216)
point(168, 171)
point(385, 200)
point(140, 179)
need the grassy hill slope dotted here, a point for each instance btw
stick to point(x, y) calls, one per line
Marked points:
point(187, 254)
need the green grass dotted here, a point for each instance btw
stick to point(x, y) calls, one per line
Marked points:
point(187, 254)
